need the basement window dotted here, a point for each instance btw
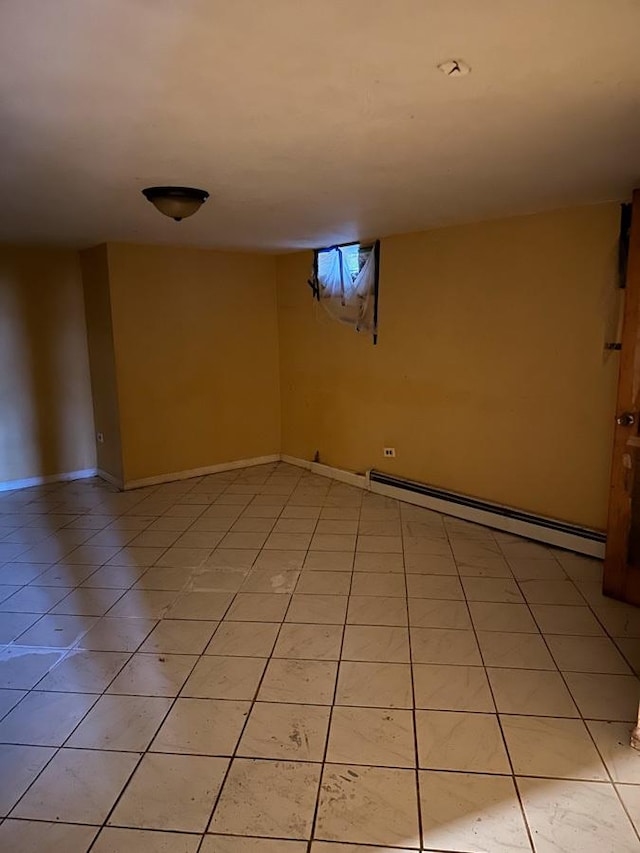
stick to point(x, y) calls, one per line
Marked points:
point(345, 282)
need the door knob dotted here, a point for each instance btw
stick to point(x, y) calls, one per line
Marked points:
point(626, 419)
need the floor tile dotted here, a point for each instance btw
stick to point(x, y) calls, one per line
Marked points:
point(581, 816)
point(555, 748)
point(267, 798)
point(258, 607)
point(426, 613)
point(442, 645)
point(56, 631)
point(174, 792)
point(153, 675)
point(495, 616)
point(451, 688)
point(179, 636)
point(370, 562)
point(34, 599)
point(25, 836)
point(191, 554)
point(630, 648)
point(566, 619)
point(288, 541)
point(551, 592)
point(271, 581)
point(77, 786)
point(309, 682)
point(116, 634)
point(526, 569)
point(587, 654)
point(113, 839)
point(333, 542)
point(379, 583)
point(605, 697)
point(312, 642)
point(144, 604)
point(383, 737)
point(123, 723)
point(318, 609)
point(432, 546)
point(244, 540)
point(483, 567)
point(452, 740)
point(9, 699)
point(620, 620)
point(377, 685)
point(528, 691)
point(471, 812)
point(324, 583)
point(84, 672)
point(376, 610)
point(163, 579)
point(630, 796)
point(114, 577)
point(14, 624)
point(328, 561)
point(383, 643)
point(202, 727)
point(282, 731)
point(200, 605)
point(612, 740)
point(502, 590)
point(88, 602)
point(244, 639)
point(368, 805)
point(224, 677)
point(237, 844)
point(430, 564)
point(434, 586)
point(19, 766)
point(290, 525)
point(45, 719)
point(512, 650)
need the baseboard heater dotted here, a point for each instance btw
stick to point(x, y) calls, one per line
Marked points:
point(573, 537)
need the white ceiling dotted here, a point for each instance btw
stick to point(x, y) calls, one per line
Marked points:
point(309, 121)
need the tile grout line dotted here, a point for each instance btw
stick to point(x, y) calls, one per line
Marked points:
point(314, 820)
point(421, 833)
point(525, 820)
point(234, 755)
point(581, 715)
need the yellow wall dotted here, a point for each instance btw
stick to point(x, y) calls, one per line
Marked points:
point(489, 376)
point(104, 385)
point(46, 424)
point(196, 349)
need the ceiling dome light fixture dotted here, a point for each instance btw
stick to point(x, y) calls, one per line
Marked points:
point(176, 202)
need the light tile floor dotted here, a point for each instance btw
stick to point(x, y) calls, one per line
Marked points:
point(269, 661)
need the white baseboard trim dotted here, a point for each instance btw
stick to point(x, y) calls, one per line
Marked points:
point(361, 481)
point(109, 478)
point(557, 538)
point(201, 472)
point(82, 474)
point(539, 533)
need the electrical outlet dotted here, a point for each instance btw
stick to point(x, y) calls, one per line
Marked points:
point(390, 452)
point(100, 437)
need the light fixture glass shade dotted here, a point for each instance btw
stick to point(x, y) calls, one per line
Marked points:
point(176, 202)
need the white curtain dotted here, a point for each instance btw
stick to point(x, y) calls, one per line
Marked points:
point(347, 293)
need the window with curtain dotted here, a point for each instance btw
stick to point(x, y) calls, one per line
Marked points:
point(344, 280)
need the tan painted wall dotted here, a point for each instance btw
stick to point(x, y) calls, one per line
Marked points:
point(489, 377)
point(196, 347)
point(104, 385)
point(46, 424)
